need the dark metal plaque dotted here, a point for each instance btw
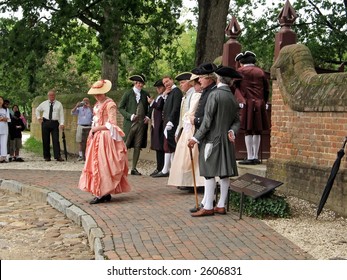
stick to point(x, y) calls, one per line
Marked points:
point(253, 185)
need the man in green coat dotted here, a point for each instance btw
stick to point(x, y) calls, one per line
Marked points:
point(134, 108)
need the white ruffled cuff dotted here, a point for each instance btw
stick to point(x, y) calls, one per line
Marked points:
point(114, 133)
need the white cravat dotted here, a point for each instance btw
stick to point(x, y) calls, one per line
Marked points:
point(137, 93)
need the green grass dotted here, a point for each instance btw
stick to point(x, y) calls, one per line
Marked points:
point(34, 146)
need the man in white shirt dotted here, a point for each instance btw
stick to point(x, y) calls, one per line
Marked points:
point(50, 114)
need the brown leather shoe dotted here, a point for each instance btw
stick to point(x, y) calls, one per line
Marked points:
point(220, 210)
point(203, 212)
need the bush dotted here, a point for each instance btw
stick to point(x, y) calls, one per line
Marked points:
point(269, 205)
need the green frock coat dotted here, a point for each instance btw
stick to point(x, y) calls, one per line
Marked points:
point(128, 106)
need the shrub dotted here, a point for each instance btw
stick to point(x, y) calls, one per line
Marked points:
point(269, 205)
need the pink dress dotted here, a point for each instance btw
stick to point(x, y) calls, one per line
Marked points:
point(106, 167)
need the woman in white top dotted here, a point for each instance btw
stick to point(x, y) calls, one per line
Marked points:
point(181, 174)
point(4, 120)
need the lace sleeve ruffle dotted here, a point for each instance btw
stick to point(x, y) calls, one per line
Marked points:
point(116, 132)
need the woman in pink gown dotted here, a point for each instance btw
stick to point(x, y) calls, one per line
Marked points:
point(106, 168)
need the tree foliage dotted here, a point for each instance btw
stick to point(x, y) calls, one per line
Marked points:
point(321, 25)
point(69, 44)
point(28, 67)
point(118, 26)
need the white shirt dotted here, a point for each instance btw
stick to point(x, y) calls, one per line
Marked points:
point(3, 125)
point(58, 111)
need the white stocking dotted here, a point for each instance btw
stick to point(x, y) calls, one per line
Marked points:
point(210, 185)
point(249, 146)
point(167, 163)
point(256, 145)
point(203, 201)
point(224, 186)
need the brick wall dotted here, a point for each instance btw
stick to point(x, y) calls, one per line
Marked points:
point(309, 125)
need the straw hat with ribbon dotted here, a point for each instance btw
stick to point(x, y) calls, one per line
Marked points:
point(100, 87)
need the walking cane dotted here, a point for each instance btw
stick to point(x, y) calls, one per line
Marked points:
point(193, 171)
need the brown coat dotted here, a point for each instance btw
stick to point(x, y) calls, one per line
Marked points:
point(253, 92)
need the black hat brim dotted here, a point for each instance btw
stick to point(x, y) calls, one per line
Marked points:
point(158, 83)
point(205, 69)
point(138, 78)
point(226, 71)
point(183, 76)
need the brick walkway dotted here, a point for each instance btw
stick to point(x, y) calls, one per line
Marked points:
point(153, 222)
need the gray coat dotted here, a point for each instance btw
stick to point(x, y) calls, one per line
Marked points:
point(217, 153)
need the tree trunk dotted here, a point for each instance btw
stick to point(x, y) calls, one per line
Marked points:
point(109, 69)
point(211, 26)
point(111, 52)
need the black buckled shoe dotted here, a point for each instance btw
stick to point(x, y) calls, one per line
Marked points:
point(247, 162)
point(107, 197)
point(135, 172)
point(104, 198)
point(154, 172)
point(96, 200)
point(161, 174)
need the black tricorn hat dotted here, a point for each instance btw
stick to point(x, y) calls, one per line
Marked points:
point(138, 78)
point(158, 83)
point(196, 71)
point(183, 76)
point(204, 69)
point(248, 55)
point(226, 71)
